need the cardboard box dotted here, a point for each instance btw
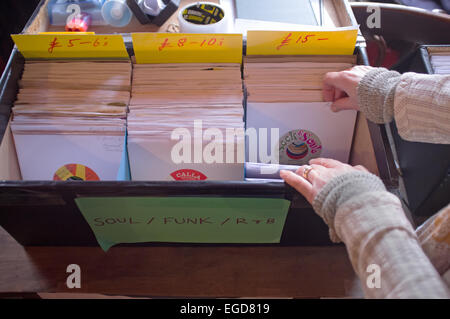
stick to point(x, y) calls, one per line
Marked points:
point(46, 213)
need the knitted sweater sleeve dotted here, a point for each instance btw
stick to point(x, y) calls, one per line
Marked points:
point(419, 103)
point(381, 243)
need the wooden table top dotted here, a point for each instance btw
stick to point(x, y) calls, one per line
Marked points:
point(277, 272)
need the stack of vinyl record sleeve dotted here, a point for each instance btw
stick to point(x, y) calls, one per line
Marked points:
point(290, 78)
point(440, 59)
point(71, 114)
point(285, 93)
point(202, 100)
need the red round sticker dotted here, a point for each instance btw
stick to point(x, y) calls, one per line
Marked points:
point(188, 175)
point(75, 172)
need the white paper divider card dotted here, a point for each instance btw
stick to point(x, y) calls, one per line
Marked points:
point(187, 48)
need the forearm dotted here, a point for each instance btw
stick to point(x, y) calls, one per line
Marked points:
point(420, 103)
point(422, 108)
point(376, 232)
point(371, 222)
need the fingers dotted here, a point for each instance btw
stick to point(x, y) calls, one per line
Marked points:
point(328, 93)
point(332, 163)
point(299, 183)
point(327, 162)
point(361, 168)
point(341, 89)
point(312, 174)
point(339, 94)
point(323, 169)
point(331, 88)
point(331, 93)
point(343, 104)
point(333, 80)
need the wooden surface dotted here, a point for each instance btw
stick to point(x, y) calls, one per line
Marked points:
point(287, 272)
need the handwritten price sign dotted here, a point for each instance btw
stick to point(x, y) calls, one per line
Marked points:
point(301, 43)
point(187, 48)
point(301, 40)
point(77, 43)
point(185, 42)
point(48, 46)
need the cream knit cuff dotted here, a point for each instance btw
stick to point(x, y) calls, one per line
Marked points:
point(340, 190)
point(376, 93)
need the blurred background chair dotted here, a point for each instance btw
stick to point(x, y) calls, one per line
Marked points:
point(437, 5)
point(403, 30)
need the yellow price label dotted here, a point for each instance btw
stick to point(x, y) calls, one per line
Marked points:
point(301, 42)
point(187, 48)
point(71, 32)
point(48, 46)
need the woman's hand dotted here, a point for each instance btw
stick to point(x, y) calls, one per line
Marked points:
point(323, 170)
point(341, 88)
